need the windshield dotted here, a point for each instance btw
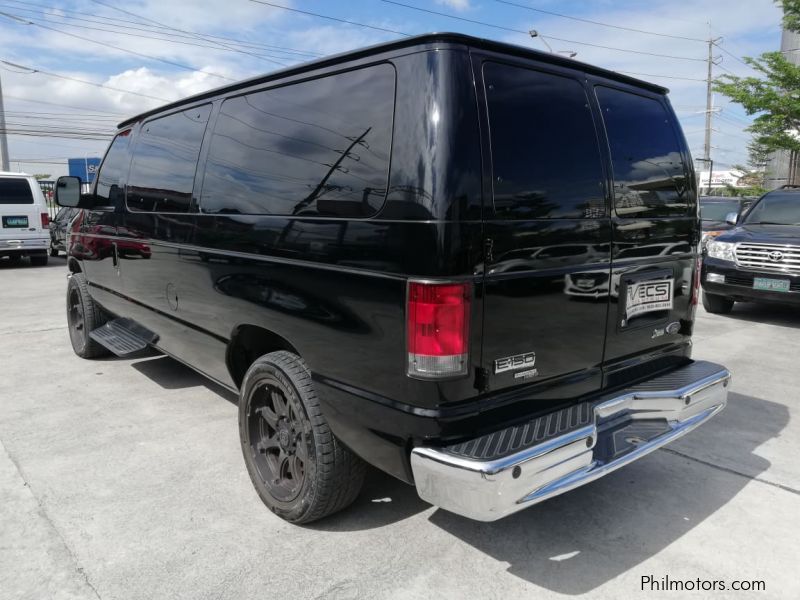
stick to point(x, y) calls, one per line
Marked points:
point(717, 211)
point(776, 209)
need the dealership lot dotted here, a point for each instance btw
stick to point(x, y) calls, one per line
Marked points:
point(124, 479)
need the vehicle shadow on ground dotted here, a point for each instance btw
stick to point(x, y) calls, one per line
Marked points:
point(173, 375)
point(383, 499)
point(771, 314)
point(59, 262)
point(576, 542)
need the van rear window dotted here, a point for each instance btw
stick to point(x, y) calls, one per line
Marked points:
point(650, 179)
point(314, 148)
point(545, 154)
point(15, 191)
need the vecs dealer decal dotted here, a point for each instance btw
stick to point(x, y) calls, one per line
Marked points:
point(648, 296)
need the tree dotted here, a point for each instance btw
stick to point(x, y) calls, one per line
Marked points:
point(39, 176)
point(774, 96)
point(791, 14)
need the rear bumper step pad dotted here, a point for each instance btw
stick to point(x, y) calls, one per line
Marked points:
point(500, 473)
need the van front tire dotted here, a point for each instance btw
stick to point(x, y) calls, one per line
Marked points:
point(83, 315)
point(719, 305)
point(298, 467)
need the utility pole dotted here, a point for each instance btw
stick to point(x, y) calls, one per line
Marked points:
point(4, 166)
point(709, 106)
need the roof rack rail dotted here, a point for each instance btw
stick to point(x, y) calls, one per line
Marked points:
point(790, 186)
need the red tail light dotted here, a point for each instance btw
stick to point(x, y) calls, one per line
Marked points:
point(45, 220)
point(437, 329)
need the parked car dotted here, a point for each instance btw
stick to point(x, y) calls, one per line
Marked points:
point(713, 212)
point(371, 251)
point(759, 258)
point(58, 230)
point(25, 219)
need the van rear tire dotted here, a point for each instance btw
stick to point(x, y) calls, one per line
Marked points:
point(298, 467)
point(718, 305)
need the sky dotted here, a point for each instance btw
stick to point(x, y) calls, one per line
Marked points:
point(143, 53)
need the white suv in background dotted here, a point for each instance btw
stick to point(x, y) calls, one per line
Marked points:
point(24, 220)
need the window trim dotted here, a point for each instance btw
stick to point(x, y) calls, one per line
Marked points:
point(220, 100)
point(193, 204)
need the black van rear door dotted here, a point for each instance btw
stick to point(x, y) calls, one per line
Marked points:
point(655, 231)
point(548, 234)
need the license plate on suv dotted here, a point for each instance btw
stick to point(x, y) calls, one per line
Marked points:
point(15, 221)
point(770, 285)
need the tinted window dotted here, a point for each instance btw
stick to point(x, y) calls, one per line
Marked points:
point(717, 211)
point(111, 175)
point(15, 191)
point(165, 161)
point(779, 209)
point(319, 148)
point(544, 149)
point(649, 175)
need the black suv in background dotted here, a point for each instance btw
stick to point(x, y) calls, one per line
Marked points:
point(714, 214)
point(758, 259)
point(374, 251)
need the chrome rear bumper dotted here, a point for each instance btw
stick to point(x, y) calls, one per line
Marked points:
point(506, 471)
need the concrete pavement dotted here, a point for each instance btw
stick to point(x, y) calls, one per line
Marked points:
point(124, 479)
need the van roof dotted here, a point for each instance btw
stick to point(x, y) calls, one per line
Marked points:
point(13, 174)
point(418, 40)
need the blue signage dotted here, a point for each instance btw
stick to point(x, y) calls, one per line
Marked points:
point(85, 168)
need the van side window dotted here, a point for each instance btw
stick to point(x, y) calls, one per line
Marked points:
point(545, 153)
point(165, 161)
point(112, 171)
point(649, 174)
point(316, 148)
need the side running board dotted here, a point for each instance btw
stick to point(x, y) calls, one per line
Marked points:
point(123, 337)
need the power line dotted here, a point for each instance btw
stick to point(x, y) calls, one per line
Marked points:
point(21, 99)
point(194, 34)
point(32, 70)
point(662, 76)
point(582, 20)
point(313, 14)
point(732, 55)
point(105, 20)
point(456, 17)
point(520, 31)
point(139, 35)
point(119, 48)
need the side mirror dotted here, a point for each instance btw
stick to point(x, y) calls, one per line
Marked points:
point(68, 191)
point(732, 218)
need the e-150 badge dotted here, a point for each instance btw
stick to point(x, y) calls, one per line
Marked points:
point(648, 296)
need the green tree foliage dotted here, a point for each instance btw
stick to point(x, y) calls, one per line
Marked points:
point(791, 14)
point(774, 97)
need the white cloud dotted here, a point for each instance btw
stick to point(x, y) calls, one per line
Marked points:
point(456, 4)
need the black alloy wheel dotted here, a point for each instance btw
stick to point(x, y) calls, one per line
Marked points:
point(279, 437)
point(83, 315)
point(300, 470)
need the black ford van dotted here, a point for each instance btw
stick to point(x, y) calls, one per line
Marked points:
point(469, 264)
